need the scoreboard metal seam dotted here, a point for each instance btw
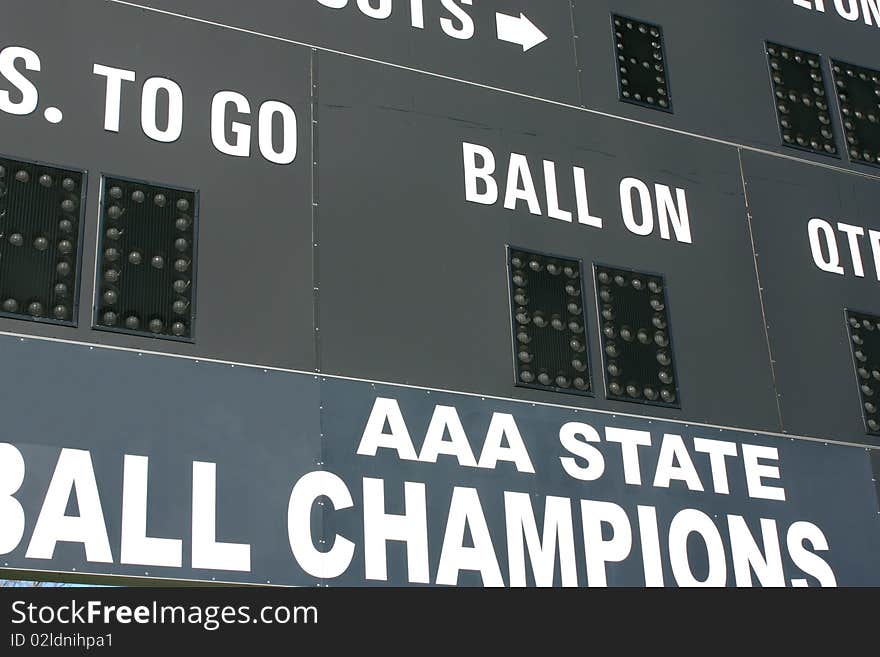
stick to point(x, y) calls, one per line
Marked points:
point(345, 414)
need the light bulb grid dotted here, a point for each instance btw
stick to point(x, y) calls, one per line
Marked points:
point(858, 95)
point(864, 339)
point(146, 273)
point(550, 334)
point(800, 99)
point(637, 351)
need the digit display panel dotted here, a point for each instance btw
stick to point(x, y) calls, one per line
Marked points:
point(641, 63)
point(40, 234)
point(864, 333)
point(636, 349)
point(858, 93)
point(801, 102)
point(147, 260)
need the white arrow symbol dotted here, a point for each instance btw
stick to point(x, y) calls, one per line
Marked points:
point(519, 30)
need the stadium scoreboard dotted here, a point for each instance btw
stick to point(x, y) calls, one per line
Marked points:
point(447, 292)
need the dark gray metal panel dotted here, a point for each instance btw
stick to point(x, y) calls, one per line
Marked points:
point(718, 70)
point(265, 430)
point(482, 58)
point(255, 262)
point(827, 485)
point(413, 279)
point(260, 428)
point(805, 306)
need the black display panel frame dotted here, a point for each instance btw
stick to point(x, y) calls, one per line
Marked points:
point(79, 233)
point(781, 129)
point(510, 250)
point(869, 347)
point(667, 329)
point(842, 107)
point(664, 61)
